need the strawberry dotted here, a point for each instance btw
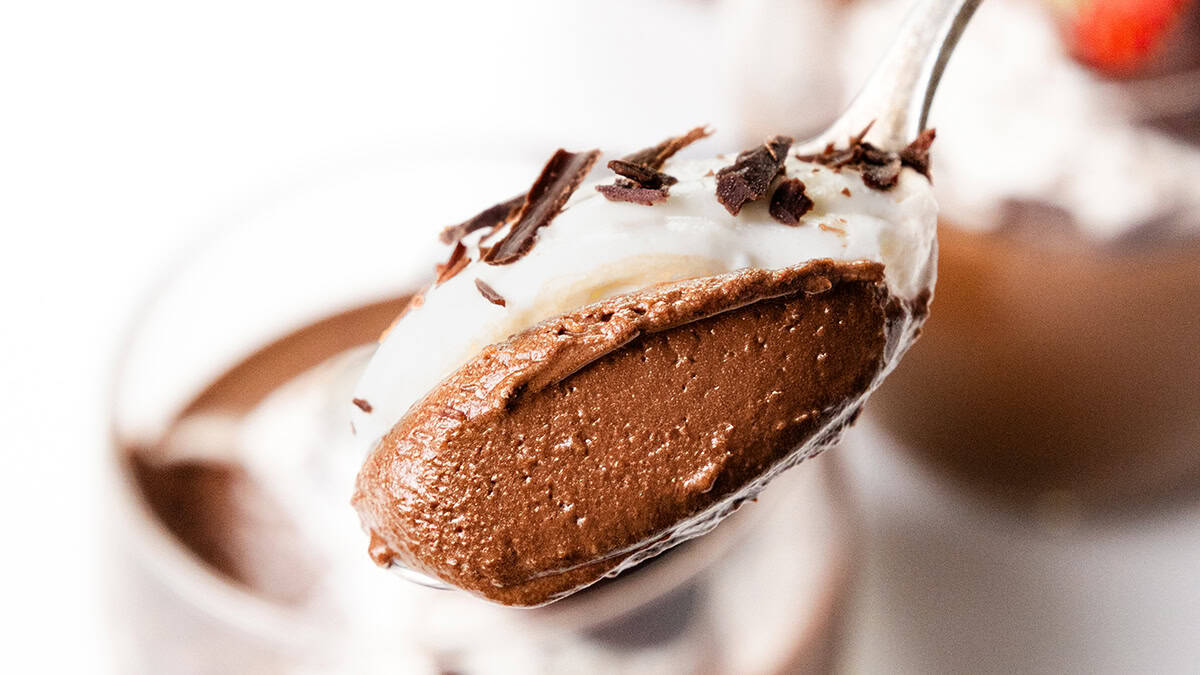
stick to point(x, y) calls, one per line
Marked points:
point(1118, 36)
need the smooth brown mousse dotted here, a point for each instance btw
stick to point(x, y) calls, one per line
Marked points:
point(606, 435)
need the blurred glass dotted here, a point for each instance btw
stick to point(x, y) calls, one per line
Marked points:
point(237, 548)
point(1060, 361)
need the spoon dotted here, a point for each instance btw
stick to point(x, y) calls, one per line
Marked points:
point(894, 103)
point(897, 96)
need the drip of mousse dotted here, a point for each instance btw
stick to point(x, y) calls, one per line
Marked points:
point(603, 371)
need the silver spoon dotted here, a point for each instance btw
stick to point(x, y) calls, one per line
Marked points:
point(895, 101)
point(898, 94)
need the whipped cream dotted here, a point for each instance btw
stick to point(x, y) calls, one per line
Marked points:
point(596, 249)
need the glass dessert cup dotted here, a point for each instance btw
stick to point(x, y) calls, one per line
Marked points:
point(1059, 361)
point(1060, 368)
point(235, 554)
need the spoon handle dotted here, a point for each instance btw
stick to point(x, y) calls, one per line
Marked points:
point(900, 91)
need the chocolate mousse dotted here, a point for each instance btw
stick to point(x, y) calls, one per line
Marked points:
point(593, 440)
point(624, 366)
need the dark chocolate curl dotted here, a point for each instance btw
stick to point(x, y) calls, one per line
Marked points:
point(557, 182)
point(880, 169)
point(486, 290)
point(627, 191)
point(750, 176)
point(644, 176)
point(492, 217)
point(916, 155)
point(655, 157)
point(458, 260)
point(789, 202)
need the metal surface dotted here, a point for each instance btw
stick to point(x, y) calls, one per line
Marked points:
point(900, 91)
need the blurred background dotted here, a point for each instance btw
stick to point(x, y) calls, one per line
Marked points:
point(182, 183)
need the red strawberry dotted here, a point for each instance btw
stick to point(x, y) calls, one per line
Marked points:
point(1118, 36)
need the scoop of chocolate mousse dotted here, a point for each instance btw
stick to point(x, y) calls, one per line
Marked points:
point(604, 436)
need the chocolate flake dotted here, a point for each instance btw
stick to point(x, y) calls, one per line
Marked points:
point(557, 182)
point(654, 158)
point(916, 155)
point(883, 176)
point(643, 175)
point(363, 405)
point(846, 191)
point(751, 174)
point(641, 181)
point(493, 217)
point(458, 260)
point(490, 293)
point(789, 202)
point(627, 191)
point(880, 169)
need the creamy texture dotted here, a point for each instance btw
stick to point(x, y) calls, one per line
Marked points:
point(597, 249)
point(638, 374)
point(609, 434)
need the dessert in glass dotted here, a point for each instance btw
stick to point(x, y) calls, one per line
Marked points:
point(1059, 365)
point(1062, 362)
point(602, 370)
point(234, 468)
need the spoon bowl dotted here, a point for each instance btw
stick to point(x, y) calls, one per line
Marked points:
point(889, 112)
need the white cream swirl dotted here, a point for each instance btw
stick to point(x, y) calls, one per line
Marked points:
point(596, 249)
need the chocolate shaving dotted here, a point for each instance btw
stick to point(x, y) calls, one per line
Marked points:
point(641, 180)
point(846, 191)
point(490, 293)
point(789, 202)
point(558, 180)
point(750, 175)
point(458, 260)
point(916, 155)
point(855, 140)
point(628, 191)
point(883, 176)
point(362, 405)
point(644, 176)
point(492, 217)
point(880, 169)
point(654, 158)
